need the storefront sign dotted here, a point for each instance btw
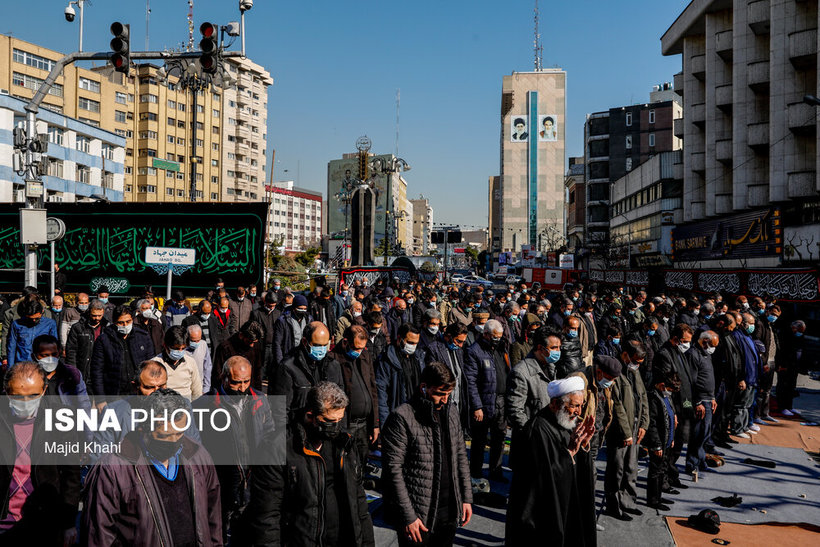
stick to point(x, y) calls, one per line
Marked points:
point(746, 235)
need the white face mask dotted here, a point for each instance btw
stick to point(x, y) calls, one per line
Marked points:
point(710, 350)
point(409, 349)
point(683, 347)
point(432, 329)
point(126, 330)
point(49, 364)
point(147, 314)
point(24, 409)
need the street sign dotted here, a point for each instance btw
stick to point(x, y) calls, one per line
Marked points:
point(170, 255)
point(55, 229)
point(34, 189)
point(116, 285)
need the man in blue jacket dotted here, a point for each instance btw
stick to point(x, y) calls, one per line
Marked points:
point(485, 368)
point(741, 424)
point(24, 330)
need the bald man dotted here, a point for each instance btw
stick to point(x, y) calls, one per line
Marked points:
point(304, 367)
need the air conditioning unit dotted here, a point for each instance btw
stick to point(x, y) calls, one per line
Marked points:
point(4, 92)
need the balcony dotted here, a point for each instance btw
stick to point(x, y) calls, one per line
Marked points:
point(678, 125)
point(698, 114)
point(723, 151)
point(697, 66)
point(757, 17)
point(723, 97)
point(757, 135)
point(723, 45)
point(678, 83)
point(757, 76)
point(803, 49)
point(802, 118)
point(698, 162)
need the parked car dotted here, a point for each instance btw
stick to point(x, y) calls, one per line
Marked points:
point(513, 279)
point(476, 281)
point(456, 278)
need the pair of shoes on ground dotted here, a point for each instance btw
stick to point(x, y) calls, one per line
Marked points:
point(789, 412)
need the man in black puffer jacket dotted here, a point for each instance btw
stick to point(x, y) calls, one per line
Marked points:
point(118, 353)
point(425, 474)
point(571, 359)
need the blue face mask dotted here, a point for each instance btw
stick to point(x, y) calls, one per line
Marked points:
point(103, 300)
point(650, 333)
point(554, 356)
point(567, 313)
point(317, 353)
point(761, 311)
point(631, 312)
point(56, 310)
point(353, 354)
point(193, 345)
point(605, 384)
point(798, 334)
point(573, 333)
point(176, 354)
point(616, 341)
point(452, 347)
point(772, 318)
point(750, 329)
point(707, 317)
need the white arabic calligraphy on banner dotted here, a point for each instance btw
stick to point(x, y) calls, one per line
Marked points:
point(715, 282)
point(801, 286)
point(679, 280)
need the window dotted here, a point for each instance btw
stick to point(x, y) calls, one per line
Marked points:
point(83, 174)
point(121, 98)
point(170, 157)
point(148, 189)
point(172, 122)
point(169, 174)
point(180, 176)
point(651, 117)
point(146, 80)
point(215, 163)
point(217, 97)
point(119, 116)
point(26, 58)
point(181, 107)
point(129, 134)
point(231, 121)
point(230, 191)
point(89, 85)
point(214, 180)
point(181, 193)
point(180, 124)
point(130, 97)
point(200, 109)
point(215, 129)
point(171, 86)
point(148, 153)
point(214, 195)
point(629, 142)
point(33, 83)
point(107, 152)
point(129, 188)
point(629, 164)
point(181, 159)
point(89, 121)
point(83, 143)
point(651, 139)
point(148, 116)
point(108, 180)
point(148, 98)
point(148, 135)
point(181, 141)
point(129, 152)
point(629, 119)
point(55, 135)
point(169, 191)
point(172, 104)
point(215, 147)
point(150, 171)
point(216, 113)
point(55, 168)
point(200, 143)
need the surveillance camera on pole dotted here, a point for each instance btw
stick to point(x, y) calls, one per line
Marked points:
point(70, 13)
point(245, 5)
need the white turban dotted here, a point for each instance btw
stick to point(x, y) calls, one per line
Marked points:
point(559, 388)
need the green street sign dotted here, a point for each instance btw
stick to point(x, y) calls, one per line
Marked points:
point(117, 285)
point(165, 164)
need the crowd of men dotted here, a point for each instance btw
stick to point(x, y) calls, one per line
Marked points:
point(408, 372)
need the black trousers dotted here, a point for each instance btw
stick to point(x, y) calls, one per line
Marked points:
point(786, 386)
point(361, 439)
point(656, 476)
point(764, 392)
point(681, 439)
point(496, 426)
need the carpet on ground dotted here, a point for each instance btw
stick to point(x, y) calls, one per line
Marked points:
point(745, 534)
point(787, 433)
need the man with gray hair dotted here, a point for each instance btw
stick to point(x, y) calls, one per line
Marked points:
point(485, 371)
point(703, 397)
point(316, 498)
point(198, 349)
point(551, 495)
point(430, 327)
point(72, 315)
point(144, 317)
point(510, 320)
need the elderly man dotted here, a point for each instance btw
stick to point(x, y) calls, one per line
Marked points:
point(703, 397)
point(72, 315)
point(485, 369)
point(789, 361)
point(351, 316)
point(144, 317)
point(528, 380)
point(429, 332)
point(553, 502)
point(198, 350)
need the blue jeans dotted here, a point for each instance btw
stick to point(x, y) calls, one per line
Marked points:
point(695, 451)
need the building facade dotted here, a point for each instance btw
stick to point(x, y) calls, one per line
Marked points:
point(575, 204)
point(750, 141)
point(85, 163)
point(533, 113)
point(294, 216)
point(422, 225)
point(616, 141)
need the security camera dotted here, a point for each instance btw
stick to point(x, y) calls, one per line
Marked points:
point(69, 13)
point(245, 5)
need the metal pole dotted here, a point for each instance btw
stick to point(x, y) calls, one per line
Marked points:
point(242, 31)
point(446, 237)
point(80, 4)
point(31, 203)
point(170, 276)
point(195, 90)
point(53, 281)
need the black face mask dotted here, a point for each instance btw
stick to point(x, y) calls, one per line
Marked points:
point(327, 430)
point(162, 450)
point(231, 391)
point(298, 314)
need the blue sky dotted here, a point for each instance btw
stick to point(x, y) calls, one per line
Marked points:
point(337, 65)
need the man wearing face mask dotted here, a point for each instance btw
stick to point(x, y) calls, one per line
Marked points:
point(144, 317)
point(351, 316)
point(267, 314)
point(316, 498)
point(427, 301)
point(117, 353)
point(80, 344)
point(321, 308)
point(571, 360)
point(742, 423)
point(476, 329)
point(58, 310)
point(177, 481)
point(431, 326)
point(463, 311)
point(486, 366)
point(305, 366)
point(24, 330)
point(198, 351)
point(631, 409)
point(729, 373)
point(450, 351)
point(789, 361)
point(252, 422)
point(287, 334)
point(703, 397)
point(61, 379)
point(241, 306)
point(671, 358)
point(398, 370)
point(647, 335)
point(563, 308)
point(207, 322)
point(765, 319)
point(426, 484)
point(528, 380)
point(584, 311)
point(360, 386)
point(183, 373)
point(42, 494)
point(226, 323)
point(72, 315)
point(529, 325)
point(660, 438)
point(102, 295)
point(377, 341)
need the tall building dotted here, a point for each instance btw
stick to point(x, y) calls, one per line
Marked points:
point(392, 197)
point(576, 203)
point(422, 225)
point(295, 216)
point(227, 141)
point(616, 141)
point(533, 108)
point(750, 141)
point(85, 162)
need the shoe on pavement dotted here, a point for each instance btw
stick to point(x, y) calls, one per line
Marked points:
point(671, 491)
point(599, 528)
point(659, 506)
point(678, 484)
point(788, 413)
point(771, 419)
point(752, 432)
point(637, 512)
point(666, 501)
point(715, 452)
point(743, 436)
point(722, 444)
point(754, 427)
point(759, 421)
point(618, 515)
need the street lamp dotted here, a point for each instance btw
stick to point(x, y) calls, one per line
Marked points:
point(811, 99)
point(388, 168)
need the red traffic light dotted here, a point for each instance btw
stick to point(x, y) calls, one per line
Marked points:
point(208, 30)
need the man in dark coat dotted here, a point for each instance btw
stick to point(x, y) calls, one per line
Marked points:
point(571, 359)
point(212, 332)
point(246, 343)
point(377, 341)
point(322, 308)
point(81, 337)
point(316, 498)
point(789, 361)
point(425, 475)
point(551, 502)
point(144, 318)
point(118, 353)
point(398, 370)
point(267, 315)
point(287, 333)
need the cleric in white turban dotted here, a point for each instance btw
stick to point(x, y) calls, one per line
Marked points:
point(551, 495)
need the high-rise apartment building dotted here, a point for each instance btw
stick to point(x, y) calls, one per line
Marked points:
point(750, 140)
point(422, 225)
point(220, 138)
point(575, 204)
point(295, 216)
point(533, 108)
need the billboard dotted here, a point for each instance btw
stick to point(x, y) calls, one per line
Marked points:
point(746, 235)
point(519, 130)
point(109, 240)
point(548, 128)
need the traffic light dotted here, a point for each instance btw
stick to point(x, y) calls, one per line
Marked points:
point(121, 47)
point(209, 47)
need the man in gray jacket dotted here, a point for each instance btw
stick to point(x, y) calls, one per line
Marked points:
point(426, 477)
point(527, 383)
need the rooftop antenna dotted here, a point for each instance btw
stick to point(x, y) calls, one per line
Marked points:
point(190, 25)
point(538, 46)
point(398, 104)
